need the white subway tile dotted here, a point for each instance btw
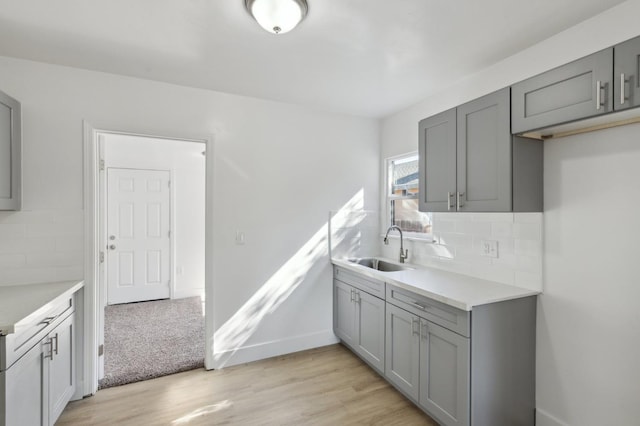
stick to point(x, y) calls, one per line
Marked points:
point(12, 230)
point(70, 243)
point(529, 280)
point(447, 217)
point(529, 264)
point(72, 258)
point(455, 239)
point(528, 248)
point(527, 231)
point(444, 226)
point(12, 260)
point(482, 229)
point(496, 273)
point(27, 245)
point(493, 217)
point(502, 230)
point(528, 218)
point(508, 260)
point(56, 230)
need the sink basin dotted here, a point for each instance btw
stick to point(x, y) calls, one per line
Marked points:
point(379, 264)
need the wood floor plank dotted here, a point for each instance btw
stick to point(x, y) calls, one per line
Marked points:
point(323, 386)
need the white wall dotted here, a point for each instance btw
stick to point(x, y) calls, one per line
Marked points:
point(187, 166)
point(278, 170)
point(587, 345)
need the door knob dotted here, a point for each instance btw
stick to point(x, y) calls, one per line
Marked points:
point(112, 237)
point(112, 246)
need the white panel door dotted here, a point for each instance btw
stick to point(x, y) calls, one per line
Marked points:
point(138, 238)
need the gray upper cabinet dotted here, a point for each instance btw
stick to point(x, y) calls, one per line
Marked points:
point(484, 154)
point(580, 89)
point(10, 153)
point(626, 93)
point(437, 152)
point(469, 161)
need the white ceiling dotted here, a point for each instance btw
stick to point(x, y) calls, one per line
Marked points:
point(362, 57)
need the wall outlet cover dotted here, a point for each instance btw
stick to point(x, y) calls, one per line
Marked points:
point(489, 248)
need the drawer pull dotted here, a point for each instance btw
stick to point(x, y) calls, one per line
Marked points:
point(424, 330)
point(420, 306)
point(48, 320)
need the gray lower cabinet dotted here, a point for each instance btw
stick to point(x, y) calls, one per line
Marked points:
point(36, 388)
point(626, 67)
point(359, 322)
point(574, 91)
point(10, 153)
point(430, 364)
point(469, 161)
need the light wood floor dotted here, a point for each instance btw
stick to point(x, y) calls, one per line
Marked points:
point(324, 386)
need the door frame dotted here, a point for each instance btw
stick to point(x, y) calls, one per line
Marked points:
point(92, 323)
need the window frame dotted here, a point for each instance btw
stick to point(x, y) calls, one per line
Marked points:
point(389, 197)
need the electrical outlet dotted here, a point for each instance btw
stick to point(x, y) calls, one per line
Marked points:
point(239, 238)
point(489, 248)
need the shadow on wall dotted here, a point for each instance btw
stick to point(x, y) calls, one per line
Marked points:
point(230, 337)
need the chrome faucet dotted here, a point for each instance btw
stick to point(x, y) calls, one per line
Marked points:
point(404, 254)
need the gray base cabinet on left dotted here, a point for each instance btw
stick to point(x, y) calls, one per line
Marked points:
point(37, 378)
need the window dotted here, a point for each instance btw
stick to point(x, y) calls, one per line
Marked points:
point(402, 197)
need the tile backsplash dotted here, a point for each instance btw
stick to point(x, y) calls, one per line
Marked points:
point(39, 246)
point(458, 247)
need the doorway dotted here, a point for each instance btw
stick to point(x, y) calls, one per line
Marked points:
point(143, 207)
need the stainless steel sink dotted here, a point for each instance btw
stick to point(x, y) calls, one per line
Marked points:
point(379, 264)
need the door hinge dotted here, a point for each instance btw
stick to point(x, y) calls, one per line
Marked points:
point(101, 257)
point(169, 234)
point(101, 164)
point(169, 184)
point(100, 350)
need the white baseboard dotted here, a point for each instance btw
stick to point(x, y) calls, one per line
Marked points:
point(545, 419)
point(274, 348)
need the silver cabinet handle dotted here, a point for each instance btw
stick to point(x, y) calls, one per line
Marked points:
point(459, 201)
point(424, 330)
point(48, 320)
point(352, 295)
point(600, 89)
point(623, 83)
point(449, 201)
point(415, 326)
point(49, 342)
point(56, 346)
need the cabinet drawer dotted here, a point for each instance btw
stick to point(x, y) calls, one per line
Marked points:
point(449, 317)
point(32, 329)
point(369, 285)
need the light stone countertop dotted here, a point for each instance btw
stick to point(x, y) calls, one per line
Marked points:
point(457, 290)
point(17, 302)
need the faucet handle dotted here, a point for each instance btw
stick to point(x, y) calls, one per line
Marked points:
point(404, 256)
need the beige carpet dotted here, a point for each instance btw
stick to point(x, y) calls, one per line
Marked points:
point(151, 339)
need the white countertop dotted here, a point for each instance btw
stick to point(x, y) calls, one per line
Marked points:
point(457, 290)
point(19, 301)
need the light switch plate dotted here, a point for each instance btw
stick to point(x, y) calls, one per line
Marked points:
point(489, 248)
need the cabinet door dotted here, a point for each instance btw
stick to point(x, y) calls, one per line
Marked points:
point(61, 368)
point(437, 149)
point(444, 374)
point(402, 357)
point(626, 92)
point(484, 154)
point(344, 312)
point(370, 325)
point(574, 91)
point(26, 388)
point(10, 153)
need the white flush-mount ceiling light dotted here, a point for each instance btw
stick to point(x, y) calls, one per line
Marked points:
point(277, 16)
